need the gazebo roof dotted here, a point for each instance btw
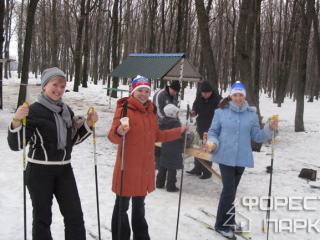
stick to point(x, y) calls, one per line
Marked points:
point(164, 66)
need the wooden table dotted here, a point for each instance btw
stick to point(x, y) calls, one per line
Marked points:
point(200, 155)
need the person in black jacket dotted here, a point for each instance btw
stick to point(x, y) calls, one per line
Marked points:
point(203, 107)
point(171, 152)
point(51, 131)
point(167, 95)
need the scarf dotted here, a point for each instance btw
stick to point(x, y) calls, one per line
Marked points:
point(62, 118)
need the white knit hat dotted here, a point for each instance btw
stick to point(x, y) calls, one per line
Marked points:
point(171, 110)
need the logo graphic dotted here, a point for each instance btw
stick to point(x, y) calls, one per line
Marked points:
point(243, 222)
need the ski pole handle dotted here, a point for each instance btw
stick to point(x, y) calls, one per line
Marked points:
point(92, 110)
point(275, 120)
point(24, 120)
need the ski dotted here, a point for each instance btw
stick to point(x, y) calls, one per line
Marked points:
point(93, 236)
point(315, 185)
point(207, 225)
point(243, 235)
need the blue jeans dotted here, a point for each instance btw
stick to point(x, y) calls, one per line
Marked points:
point(230, 179)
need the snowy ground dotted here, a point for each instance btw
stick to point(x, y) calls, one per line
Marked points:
point(293, 152)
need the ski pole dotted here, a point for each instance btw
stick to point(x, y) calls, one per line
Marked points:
point(273, 118)
point(92, 110)
point(24, 165)
point(124, 114)
point(182, 170)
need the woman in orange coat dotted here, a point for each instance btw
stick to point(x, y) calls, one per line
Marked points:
point(139, 163)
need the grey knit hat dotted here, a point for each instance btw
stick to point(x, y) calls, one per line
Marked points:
point(171, 110)
point(49, 73)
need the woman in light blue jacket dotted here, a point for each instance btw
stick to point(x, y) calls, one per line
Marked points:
point(229, 139)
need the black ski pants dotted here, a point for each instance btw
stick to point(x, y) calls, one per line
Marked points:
point(44, 182)
point(138, 221)
point(166, 174)
point(230, 180)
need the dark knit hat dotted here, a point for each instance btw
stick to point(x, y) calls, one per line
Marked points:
point(175, 85)
point(206, 87)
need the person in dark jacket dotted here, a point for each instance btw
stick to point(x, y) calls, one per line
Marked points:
point(171, 152)
point(51, 131)
point(167, 95)
point(203, 107)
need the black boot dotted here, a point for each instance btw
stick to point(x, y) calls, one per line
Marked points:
point(194, 172)
point(161, 177)
point(171, 181)
point(196, 169)
point(172, 188)
point(206, 175)
point(205, 172)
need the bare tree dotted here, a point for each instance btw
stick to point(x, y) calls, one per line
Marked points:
point(306, 7)
point(54, 35)
point(26, 51)
point(2, 7)
point(20, 37)
point(286, 56)
point(98, 35)
point(206, 49)
point(115, 59)
point(86, 46)
point(316, 85)
point(8, 35)
point(78, 51)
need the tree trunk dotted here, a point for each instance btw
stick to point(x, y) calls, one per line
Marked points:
point(244, 46)
point(54, 35)
point(86, 47)
point(316, 36)
point(115, 60)
point(2, 7)
point(286, 57)
point(233, 45)
point(43, 45)
point(206, 49)
point(305, 28)
point(163, 26)
point(96, 45)
point(180, 15)
point(26, 51)
point(248, 52)
point(78, 52)
point(107, 52)
point(257, 57)
point(9, 8)
point(20, 38)
point(152, 6)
